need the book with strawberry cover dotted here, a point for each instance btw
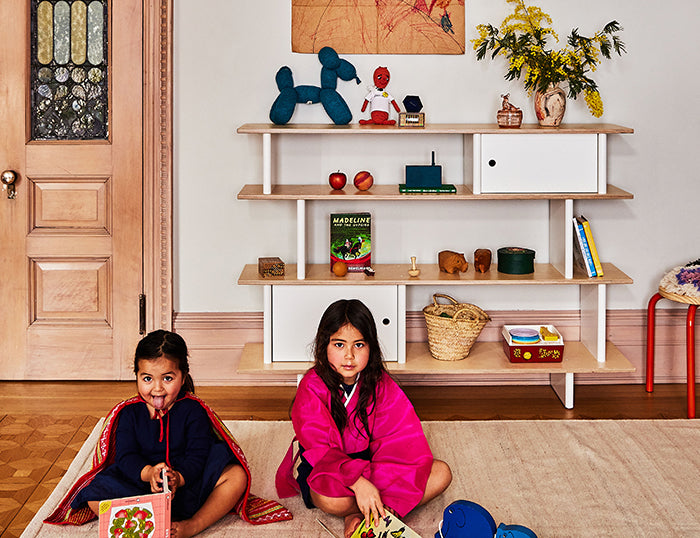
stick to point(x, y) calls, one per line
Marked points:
point(351, 240)
point(389, 526)
point(142, 516)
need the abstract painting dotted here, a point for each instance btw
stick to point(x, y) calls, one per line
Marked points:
point(379, 26)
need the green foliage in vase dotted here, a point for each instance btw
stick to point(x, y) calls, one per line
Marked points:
point(522, 39)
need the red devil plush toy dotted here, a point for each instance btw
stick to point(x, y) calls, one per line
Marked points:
point(379, 100)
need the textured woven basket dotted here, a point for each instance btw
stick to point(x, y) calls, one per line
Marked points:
point(451, 338)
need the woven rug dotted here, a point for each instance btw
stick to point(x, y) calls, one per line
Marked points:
point(602, 478)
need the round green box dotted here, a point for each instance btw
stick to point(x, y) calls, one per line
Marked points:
point(516, 260)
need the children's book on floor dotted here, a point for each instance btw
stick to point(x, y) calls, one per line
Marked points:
point(144, 515)
point(351, 240)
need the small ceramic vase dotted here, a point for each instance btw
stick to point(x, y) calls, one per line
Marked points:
point(550, 106)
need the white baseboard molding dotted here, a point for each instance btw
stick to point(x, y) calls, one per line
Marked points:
point(216, 341)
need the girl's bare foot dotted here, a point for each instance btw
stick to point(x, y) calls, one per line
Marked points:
point(181, 529)
point(352, 521)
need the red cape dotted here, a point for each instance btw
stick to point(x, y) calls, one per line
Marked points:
point(250, 508)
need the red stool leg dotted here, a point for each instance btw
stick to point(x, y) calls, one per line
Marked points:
point(690, 350)
point(651, 324)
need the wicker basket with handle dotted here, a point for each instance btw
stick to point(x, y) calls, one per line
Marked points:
point(453, 328)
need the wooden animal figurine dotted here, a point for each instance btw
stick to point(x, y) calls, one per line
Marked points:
point(451, 262)
point(413, 271)
point(482, 260)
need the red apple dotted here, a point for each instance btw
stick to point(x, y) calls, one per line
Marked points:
point(337, 180)
point(363, 180)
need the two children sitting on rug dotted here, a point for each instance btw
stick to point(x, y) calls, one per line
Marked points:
point(361, 447)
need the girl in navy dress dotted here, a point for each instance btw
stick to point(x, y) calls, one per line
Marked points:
point(166, 427)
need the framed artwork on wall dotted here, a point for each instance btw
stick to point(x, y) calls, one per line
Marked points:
point(379, 26)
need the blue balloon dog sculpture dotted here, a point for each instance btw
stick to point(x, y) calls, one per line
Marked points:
point(333, 68)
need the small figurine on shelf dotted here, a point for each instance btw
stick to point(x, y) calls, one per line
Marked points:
point(452, 262)
point(379, 100)
point(510, 116)
point(482, 260)
point(413, 271)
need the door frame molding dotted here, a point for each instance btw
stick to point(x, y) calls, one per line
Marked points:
point(158, 163)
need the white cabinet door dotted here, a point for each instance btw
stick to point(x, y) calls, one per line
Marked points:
point(296, 311)
point(539, 163)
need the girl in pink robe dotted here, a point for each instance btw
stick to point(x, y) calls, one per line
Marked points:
point(359, 447)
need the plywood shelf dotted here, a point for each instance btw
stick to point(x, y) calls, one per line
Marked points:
point(484, 358)
point(397, 274)
point(391, 192)
point(430, 128)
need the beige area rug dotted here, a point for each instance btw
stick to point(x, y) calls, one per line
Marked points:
point(602, 478)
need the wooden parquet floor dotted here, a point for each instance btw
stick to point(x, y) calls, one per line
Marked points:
point(43, 425)
point(35, 452)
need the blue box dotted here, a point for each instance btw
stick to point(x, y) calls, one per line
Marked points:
point(424, 175)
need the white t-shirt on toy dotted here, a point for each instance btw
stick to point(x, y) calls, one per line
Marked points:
point(379, 100)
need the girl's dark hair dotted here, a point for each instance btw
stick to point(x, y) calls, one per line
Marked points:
point(163, 343)
point(337, 315)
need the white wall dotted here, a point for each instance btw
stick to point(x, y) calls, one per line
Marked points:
point(226, 56)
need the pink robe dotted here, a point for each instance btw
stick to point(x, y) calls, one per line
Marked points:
point(400, 458)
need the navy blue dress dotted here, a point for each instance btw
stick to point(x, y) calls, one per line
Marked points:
point(185, 434)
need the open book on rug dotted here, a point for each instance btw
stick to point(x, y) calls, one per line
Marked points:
point(389, 526)
point(142, 515)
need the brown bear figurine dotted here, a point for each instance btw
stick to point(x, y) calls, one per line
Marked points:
point(482, 260)
point(451, 262)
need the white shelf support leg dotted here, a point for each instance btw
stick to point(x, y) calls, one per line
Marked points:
point(267, 324)
point(401, 323)
point(602, 163)
point(267, 163)
point(476, 162)
point(563, 386)
point(561, 236)
point(593, 322)
point(301, 239)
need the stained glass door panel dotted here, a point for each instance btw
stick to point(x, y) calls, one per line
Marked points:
point(69, 61)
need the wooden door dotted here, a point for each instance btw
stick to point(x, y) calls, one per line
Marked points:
point(71, 240)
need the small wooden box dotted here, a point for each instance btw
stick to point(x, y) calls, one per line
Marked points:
point(542, 351)
point(272, 266)
point(411, 119)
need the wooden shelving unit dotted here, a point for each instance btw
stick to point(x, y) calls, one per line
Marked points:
point(592, 354)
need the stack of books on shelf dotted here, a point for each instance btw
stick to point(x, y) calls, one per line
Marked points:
point(585, 252)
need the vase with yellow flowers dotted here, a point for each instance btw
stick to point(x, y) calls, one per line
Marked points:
point(523, 39)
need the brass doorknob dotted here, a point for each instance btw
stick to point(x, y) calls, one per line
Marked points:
point(8, 178)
